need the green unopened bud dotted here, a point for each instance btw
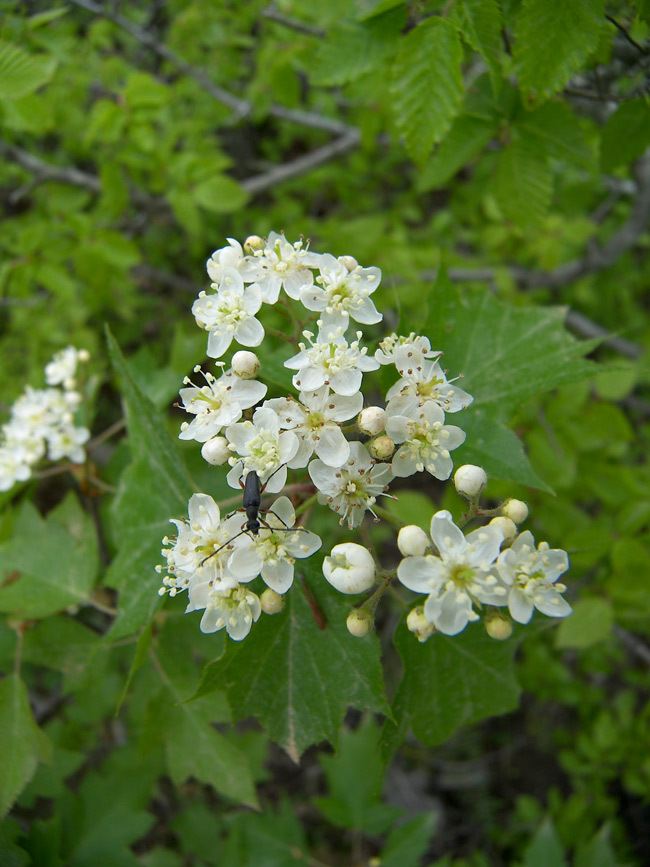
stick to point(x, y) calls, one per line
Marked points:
point(359, 622)
point(272, 602)
point(418, 624)
point(382, 447)
point(516, 510)
point(498, 627)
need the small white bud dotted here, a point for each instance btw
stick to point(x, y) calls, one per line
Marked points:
point(372, 420)
point(359, 622)
point(83, 355)
point(349, 261)
point(350, 568)
point(509, 527)
point(516, 510)
point(470, 480)
point(418, 624)
point(413, 541)
point(216, 451)
point(498, 627)
point(382, 447)
point(272, 602)
point(253, 243)
point(245, 364)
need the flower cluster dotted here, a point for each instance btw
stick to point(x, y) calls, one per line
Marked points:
point(42, 422)
point(342, 455)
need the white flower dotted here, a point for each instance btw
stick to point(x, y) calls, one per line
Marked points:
point(352, 489)
point(67, 441)
point(350, 568)
point(274, 549)
point(278, 265)
point(406, 353)
point(330, 360)
point(217, 403)
point(261, 449)
point(314, 422)
point(531, 574)
point(62, 368)
point(230, 314)
point(226, 257)
point(13, 468)
point(427, 383)
point(202, 550)
point(235, 609)
point(461, 575)
point(427, 442)
point(343, 290)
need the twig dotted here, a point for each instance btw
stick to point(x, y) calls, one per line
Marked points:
point(272, 14)
point(626, 34)
point(633, 643)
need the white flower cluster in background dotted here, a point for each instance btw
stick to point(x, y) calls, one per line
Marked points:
point(42, 422)
point(342, 455)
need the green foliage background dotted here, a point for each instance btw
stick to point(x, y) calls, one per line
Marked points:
point(492, 159)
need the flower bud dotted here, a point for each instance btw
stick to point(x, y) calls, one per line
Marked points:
point(470, 481)
point(350, 568)
point(272, 602)
point(215, 451)
point(83, 355)
point(245, 364)
point(349, 261)
point(372, 420)
point(418, 624)
point(498, 627)
point(509, 527)
point(382, 447)
point(253, 243)
point(516, 510)
point(359, 622)
point(413, 541)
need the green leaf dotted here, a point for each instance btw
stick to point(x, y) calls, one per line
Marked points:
point(553, 130)
point(427, 85)
point(545, 848)
point(25, 744)
point(354, 776)
point(449, 682)
point(466, 138)
point(49, 563)
point(590, 623)
point(626, 134)
point(274, 838)
point(198, 750)
point(354, 48)
point(407, 844)
point(480, 23)
point(296, 678)
point(506, 356)
point(553, 39)
point(598, 852)
point(22, 73)
point(152, 490)
point(220, 195)
point(523, 182)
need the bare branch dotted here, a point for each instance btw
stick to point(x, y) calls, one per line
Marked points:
point(240, 107)
point(303, 164)
point(46, 172)
point(271, 12)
